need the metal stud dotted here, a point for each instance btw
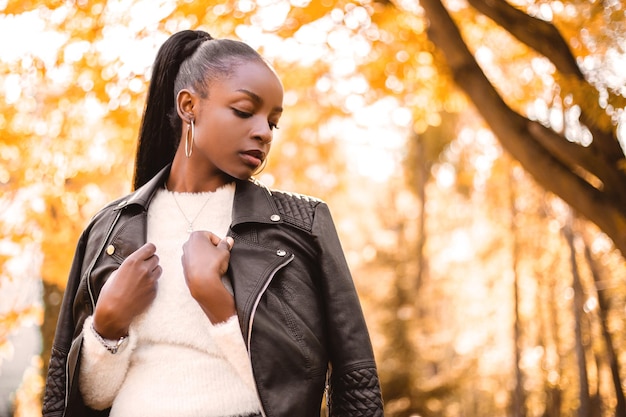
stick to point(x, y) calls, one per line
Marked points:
point(281, 252)
point(275, 217)
point(110, 250)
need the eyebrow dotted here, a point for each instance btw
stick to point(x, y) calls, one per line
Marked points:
point(256, 98)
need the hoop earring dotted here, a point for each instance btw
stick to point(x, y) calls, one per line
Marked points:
point(261, 168)
point(189, 141)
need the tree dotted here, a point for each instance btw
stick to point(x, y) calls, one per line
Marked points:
point(604, 306)
point(577, 157)
point(584, 409)
point(592, 179)
point(518, 403)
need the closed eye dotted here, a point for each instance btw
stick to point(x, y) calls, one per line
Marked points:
point(242, 114)
point(246, 115)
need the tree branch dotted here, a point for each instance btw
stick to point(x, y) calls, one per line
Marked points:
point(515, 134)
point(581, 159)
point(540, 35)
point(544, 38)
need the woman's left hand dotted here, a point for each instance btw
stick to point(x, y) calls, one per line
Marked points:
point(205, 260)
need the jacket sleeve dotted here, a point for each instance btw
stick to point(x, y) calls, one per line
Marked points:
point(56, 383)
point(354, 388)
point(62, 396)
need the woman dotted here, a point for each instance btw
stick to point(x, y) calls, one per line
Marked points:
point(203, 293)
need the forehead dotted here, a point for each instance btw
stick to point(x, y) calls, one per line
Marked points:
point(254, 76)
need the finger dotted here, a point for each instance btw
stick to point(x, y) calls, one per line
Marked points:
point(228, 242)
point(215, 239)
point(146, 251)
point(156, 272)
point(152, 263)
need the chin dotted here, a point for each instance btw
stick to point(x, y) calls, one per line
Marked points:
point(239, 175)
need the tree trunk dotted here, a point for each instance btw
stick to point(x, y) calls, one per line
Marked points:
point(399, 355)
point(554, 394)
point(603, 309)
point(421, 180)
point(584, 409)
point(518, 403)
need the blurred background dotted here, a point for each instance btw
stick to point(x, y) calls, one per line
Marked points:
point(471, 151)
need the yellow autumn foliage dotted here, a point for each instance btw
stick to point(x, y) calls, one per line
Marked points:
point(72, 104)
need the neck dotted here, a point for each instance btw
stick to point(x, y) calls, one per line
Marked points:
point(189, 176)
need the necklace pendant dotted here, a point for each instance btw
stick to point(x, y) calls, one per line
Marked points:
point(190, 222)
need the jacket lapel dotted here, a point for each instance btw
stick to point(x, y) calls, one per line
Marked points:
point(252, 265)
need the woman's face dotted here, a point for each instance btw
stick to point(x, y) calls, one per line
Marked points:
point(234, 124)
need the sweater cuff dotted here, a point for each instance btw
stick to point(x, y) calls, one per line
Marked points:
point(226, 327)
point(101, 372)
point(93, 348)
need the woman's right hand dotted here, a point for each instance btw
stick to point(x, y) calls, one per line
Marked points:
point(128, 292)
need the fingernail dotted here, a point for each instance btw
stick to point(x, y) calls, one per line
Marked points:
point(230, 241)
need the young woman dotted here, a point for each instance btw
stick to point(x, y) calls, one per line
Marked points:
point(204, 293)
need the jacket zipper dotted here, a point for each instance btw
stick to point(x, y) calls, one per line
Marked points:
point(253, 313)
point(93, 306)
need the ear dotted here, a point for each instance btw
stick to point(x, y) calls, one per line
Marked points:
point(185, 103)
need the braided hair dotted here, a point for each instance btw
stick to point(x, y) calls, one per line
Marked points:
point(185, 60)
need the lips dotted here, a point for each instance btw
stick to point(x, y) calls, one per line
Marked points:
point(253, 157)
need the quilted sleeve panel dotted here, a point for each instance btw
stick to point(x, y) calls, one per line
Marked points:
point(356, 394)
point(54, 396)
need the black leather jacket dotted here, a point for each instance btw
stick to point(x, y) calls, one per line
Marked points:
point(297, 306)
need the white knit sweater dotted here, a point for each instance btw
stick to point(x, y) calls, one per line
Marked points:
point(176, 363)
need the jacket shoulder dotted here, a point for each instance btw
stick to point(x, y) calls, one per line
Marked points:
point(297, 209)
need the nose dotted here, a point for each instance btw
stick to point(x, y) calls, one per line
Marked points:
point(262, 132)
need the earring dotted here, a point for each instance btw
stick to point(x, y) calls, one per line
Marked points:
point(189, 141)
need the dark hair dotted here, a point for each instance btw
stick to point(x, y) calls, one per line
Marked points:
point(185, 60)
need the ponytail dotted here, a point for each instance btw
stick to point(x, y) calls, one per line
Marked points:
point(158, 139)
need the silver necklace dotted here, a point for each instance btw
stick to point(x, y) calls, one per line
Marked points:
point(189, 222)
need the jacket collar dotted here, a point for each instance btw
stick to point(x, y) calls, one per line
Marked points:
point(143, 195)
point(253, 201)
